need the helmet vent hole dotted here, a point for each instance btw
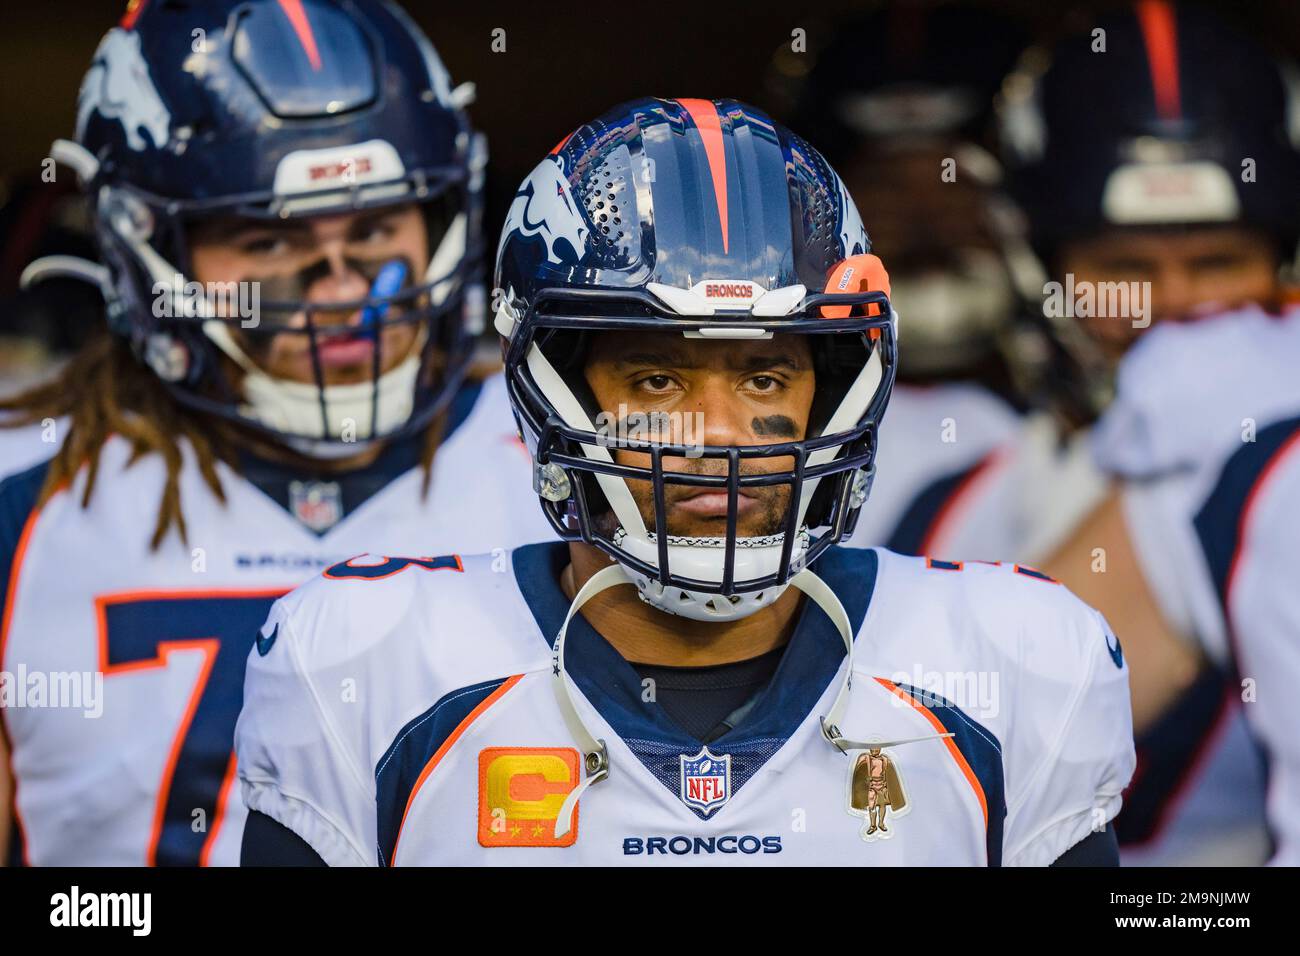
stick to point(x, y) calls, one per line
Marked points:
point(604, 196)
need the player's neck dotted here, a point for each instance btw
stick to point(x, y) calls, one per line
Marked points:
point(646, 635)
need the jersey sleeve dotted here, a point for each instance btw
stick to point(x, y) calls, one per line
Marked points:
point(1158, 515)
point(1264, 612)
point(296, 762)
point(1071, 754)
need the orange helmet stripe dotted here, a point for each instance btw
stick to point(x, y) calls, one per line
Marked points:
point(1160, 33)
point(302, 26)
point(709, 123)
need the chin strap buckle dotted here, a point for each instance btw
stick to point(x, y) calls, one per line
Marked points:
point(596, 763)
point(833, 736)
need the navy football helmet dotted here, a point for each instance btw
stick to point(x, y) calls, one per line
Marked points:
point(272, 110)
point(1181, 122)
point(889, 123)
point(707, 218)
point(1154, 131)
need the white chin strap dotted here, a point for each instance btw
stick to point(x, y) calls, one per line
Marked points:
point(595, 755)
point(295, 407)
point(699, 558)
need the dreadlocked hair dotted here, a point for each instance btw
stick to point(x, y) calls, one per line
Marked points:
point(103, 391)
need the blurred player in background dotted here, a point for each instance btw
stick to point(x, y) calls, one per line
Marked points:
point(909, 124)
point(286, 203)
point(1160, 176)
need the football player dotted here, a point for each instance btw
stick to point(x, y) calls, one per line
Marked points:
point(1208, 493)
point(699, 350)
point(286, 200)
point(909, 131)
point(1159, 176)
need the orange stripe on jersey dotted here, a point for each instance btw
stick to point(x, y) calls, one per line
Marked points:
point(302, 26)
point(1160, 34)
point(219, 815)
point(209, 647)
point(709, 123)
point(959, 502)
point(953, 750)
point(9, 795)
point(447, 744)
point(1247, 512)
point(15, 570)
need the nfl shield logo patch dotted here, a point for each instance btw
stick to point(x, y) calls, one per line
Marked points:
point(706, 781)
point(317, 504)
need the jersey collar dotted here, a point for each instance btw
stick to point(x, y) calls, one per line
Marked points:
point(307, 494)
point(812, 659)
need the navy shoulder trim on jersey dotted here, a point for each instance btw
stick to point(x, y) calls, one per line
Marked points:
point(351, 489)
point(18, 495)
point(1218, 524)
point(537, 572)
point(399, 769)
point(983, 753)
point(925, 511)
point(812, 658)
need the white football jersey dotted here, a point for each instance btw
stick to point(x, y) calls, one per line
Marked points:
point(125, 665)
point(29, 445)
point(1206, 428)
point(944, 475)
point(401, 711)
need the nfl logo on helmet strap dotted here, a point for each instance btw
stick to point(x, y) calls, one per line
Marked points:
point(706, 781)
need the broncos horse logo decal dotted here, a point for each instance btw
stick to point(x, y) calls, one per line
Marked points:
point(118, 87)
point(544, 207)
point(853, 235)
